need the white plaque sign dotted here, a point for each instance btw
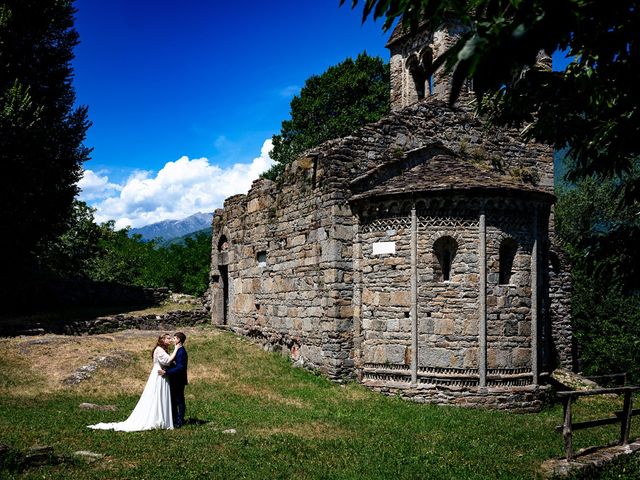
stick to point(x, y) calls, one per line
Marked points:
point(380, 248)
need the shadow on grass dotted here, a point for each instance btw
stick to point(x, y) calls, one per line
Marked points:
point(197, 422)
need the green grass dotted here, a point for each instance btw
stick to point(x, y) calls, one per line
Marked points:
point(290, 424)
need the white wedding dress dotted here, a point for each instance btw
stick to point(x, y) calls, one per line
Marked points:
point(153, 410)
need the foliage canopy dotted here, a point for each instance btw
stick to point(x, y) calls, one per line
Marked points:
point(41, 132)
point(331, 105)
point(103, 254)
point(593, 107)
point(605, 300)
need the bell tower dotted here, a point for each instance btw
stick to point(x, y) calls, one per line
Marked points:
point(411, 57)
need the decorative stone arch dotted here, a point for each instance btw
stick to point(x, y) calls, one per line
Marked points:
point(421, 207)
point(392, 209)
point(435, 236)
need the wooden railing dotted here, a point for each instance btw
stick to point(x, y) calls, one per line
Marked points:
point(613, 379)
point(623, 417)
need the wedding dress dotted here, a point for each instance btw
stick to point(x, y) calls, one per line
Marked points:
point(153, 410)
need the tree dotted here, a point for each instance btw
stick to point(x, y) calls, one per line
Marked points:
point(70, 253)
point(331, 105)
point(593, 107)
point(130, 260)
point(41, 132)
point(121, 258)
point(605, 303)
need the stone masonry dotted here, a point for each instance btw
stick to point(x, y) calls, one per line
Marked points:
point(413, 255)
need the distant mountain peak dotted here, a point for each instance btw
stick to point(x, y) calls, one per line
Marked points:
point(169, 229)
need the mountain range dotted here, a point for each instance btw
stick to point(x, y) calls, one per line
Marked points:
point(170, 229)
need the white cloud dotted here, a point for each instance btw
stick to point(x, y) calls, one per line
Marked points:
point(181, 188)
point(96, 185)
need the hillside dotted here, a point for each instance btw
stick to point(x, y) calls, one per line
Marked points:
point(170, 229)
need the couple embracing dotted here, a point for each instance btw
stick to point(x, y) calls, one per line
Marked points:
point(161, 404)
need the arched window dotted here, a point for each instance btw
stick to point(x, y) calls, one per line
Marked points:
point(426, 59)
point(508, 249)
point(444, 249)
point(417, 74)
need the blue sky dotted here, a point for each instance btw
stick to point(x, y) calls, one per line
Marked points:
point(170, 83)
point(185, 96)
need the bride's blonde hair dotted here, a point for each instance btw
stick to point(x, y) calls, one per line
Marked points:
point(160, 343)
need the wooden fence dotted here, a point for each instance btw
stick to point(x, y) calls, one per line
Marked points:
point(623, 417)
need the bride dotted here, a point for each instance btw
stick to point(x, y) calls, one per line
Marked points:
point(153, 410)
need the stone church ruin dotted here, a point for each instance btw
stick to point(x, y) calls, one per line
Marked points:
point(415, 255)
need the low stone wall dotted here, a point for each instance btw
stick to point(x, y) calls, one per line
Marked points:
point(47, 293)
point(525, 399)
point(81, 292)
point(167, 321)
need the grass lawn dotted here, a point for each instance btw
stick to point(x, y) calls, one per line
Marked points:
point(290, 423)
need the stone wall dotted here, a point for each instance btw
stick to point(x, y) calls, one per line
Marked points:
point(283, 253)
point(562, 344)
point(525, 399)
point(112, 323)
point(54, 293)
point(448, 311)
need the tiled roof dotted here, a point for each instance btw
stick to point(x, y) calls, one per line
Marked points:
point(436, 173)
point(400, 32)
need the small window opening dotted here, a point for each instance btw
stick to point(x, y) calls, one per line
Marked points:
point(223, 244)
point(508, 249)
point(426, 61)
point(445, 249)
point(417, 75)
point(261, 257)
point(554, 263)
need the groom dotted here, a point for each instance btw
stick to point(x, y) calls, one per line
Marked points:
point(178, 379)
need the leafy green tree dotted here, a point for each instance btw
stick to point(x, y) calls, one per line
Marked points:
point(593, 107)
point(70, 253)
point(606, 304)
point(119, 257)
point(332, 105)
point(41, 132)
point(195, 264)
point(122, 259)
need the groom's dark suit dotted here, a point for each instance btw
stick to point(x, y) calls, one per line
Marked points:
point(178, 379)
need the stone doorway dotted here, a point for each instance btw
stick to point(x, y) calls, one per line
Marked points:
point(224, 278)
